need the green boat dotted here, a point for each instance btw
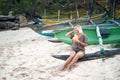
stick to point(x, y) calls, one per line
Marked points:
point(110, 33)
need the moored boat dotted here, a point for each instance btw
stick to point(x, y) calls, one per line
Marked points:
point(110, 34)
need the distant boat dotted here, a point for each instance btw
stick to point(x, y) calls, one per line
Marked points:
point(47, 22)
point(48, 30)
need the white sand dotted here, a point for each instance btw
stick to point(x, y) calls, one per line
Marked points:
point(25, 55)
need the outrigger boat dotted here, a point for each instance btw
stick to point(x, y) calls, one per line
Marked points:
point(97, 34)
point(110, 33)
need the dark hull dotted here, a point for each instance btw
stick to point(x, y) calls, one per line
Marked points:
point(92, 56)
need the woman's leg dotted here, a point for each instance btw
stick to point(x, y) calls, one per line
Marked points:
point(80, 54)
point(72, 54)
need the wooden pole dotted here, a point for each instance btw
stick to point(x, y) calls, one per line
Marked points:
point(84, 1)
point(45, 13)
point(76, 7)
point(71, 15)
point(58, 15)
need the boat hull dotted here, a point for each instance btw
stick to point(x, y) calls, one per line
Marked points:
point(113, 37)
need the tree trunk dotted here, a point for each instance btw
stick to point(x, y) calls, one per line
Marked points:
point(76, 7)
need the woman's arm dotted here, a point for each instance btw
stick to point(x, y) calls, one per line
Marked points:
point(83, 43)
point(69, 34)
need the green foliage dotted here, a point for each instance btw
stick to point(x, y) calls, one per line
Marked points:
point(3, 7)
point(38, 7)
point(14, 5)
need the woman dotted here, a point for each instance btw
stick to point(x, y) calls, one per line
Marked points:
point(79, 41)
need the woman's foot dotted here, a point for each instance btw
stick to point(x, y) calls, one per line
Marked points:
point(62, 68)
point(69, 68)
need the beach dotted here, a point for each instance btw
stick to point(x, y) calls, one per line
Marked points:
point(26, 55)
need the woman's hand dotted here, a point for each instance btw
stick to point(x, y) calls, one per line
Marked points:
point(75, 39)
point(69, 34)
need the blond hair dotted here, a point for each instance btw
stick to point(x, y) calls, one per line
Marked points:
point(79, 28)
